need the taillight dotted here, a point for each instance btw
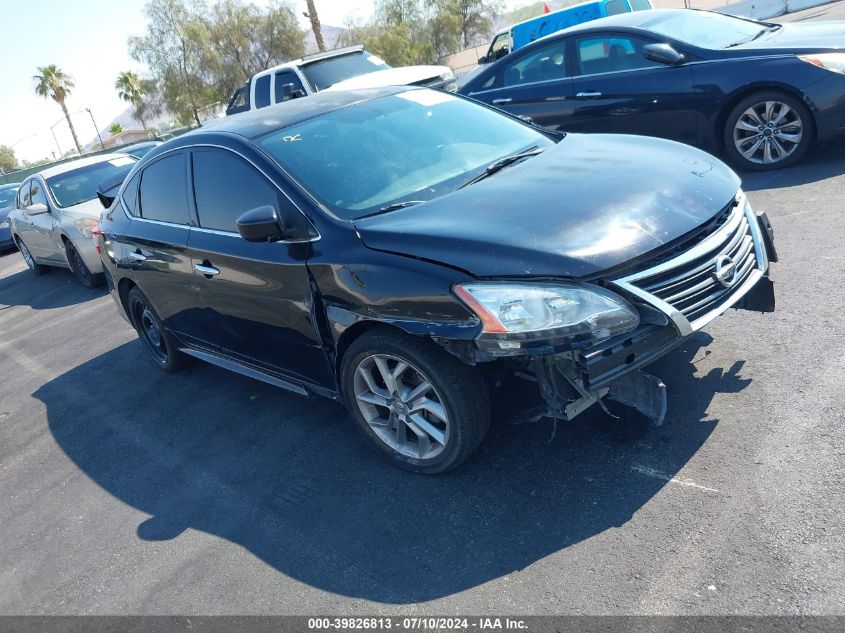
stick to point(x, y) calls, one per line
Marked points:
point(95, 235)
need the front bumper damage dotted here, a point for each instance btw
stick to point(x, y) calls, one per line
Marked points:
point(676, 298)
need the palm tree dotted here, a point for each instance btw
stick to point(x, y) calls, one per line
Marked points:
point(128, 86)
point(115, 129)
point(52, 82)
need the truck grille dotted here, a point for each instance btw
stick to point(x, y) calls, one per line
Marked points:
point(688, 283)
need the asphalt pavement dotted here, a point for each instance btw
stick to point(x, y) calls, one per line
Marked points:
point(127, 490)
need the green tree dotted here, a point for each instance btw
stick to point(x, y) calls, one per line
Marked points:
point(8, 161)
point(130, 88)
point(115, 129)
point(462, 23)
point(244, 39)
point(172, 48)
point(54, 83)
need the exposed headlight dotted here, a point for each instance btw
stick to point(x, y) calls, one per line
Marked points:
point(834, 62)
point(85, 225)
point(4, 224)
point(560, 310)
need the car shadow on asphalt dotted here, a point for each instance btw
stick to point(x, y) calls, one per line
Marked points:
point(820, 163)
point(57, 288)
point(290, 479)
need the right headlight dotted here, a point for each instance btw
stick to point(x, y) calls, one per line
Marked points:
point(532, 311)
point(834, 62)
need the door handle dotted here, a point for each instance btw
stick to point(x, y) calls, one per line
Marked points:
point(501, 101)
point(208, 271)
point(138, 256)
point(588, 94)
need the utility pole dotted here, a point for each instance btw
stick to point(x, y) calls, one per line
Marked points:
point(95, 127)
point(315, 25)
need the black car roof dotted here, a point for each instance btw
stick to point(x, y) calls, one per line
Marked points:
point(265, 120)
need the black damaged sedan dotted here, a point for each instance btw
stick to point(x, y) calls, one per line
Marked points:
point(405, 250)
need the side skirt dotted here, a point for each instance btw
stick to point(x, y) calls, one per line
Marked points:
point(250, 372)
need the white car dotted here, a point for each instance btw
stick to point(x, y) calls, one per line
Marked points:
point(56, 211)
point(342, 69)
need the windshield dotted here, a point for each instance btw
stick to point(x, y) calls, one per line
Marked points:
point(7, 197)
point(80, 185)
point(415, 145)
point(327, 72)
point(708, 30)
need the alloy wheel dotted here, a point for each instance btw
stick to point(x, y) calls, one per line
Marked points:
point(401, 406)
point(768, 132)
point(27, 256)
point(78, 266)
point(150, 332)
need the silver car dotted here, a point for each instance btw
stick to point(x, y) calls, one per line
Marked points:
point(57, 209)
point(8, 195)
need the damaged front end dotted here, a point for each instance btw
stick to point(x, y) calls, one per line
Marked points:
point(672, 297)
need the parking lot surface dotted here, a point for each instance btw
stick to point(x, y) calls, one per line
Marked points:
point(127, 490)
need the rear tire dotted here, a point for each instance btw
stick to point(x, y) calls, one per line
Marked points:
point(29, 260)
point(416, 403)
point(155, 339)
point(78, 268)
point(768, 130)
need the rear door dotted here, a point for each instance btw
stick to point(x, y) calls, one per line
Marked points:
point(154, 247)
point(256, 296)
point(618, 90)
point(532, 84)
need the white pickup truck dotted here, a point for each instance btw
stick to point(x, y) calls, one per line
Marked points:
point(341, 69)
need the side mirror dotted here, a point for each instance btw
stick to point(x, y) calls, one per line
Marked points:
point(38, 208)
point(663, 54)
point(484, 59)
point(261, 224)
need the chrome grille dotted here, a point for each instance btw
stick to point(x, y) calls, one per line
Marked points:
point(686, 287)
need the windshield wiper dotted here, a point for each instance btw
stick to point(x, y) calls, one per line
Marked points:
point(391, 207)
point(771, 28)
point(501, 163)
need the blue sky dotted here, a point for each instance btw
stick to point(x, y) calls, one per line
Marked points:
point(87, 39)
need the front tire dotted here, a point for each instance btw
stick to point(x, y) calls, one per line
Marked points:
point(768, 130)
point(155, 339)
point(416, 403)
point(29, 260)
point(78, 268)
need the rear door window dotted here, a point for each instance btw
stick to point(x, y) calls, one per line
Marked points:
point(226, 187)
point(544, 64)
point(262, 91)
point(130, 194)
point(615, 7)
point(164, 190)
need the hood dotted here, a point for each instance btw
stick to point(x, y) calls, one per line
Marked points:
point(590, 203)
point(89, 209)
point(405, 76)
point(801, 36)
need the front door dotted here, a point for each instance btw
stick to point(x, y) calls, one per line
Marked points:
point(256, 296)
point(617, 90)
point(43, 243)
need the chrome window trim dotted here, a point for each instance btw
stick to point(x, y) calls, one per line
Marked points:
point(710, 244)
point(132, 218)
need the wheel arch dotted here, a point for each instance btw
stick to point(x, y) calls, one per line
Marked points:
point(749, 89)
point(124, 287)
